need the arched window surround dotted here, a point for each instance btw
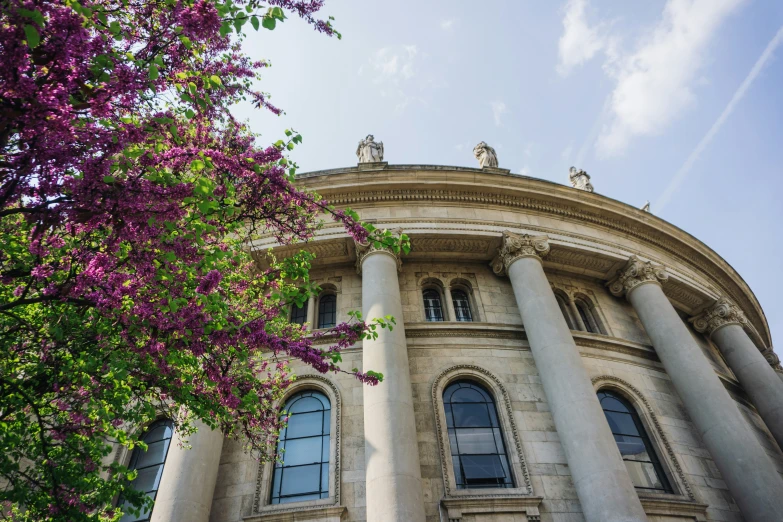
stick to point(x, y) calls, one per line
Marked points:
point(512, 441)
point(669, 462)
point(436, 285)
point(261, 498)
point(595, 322)
point(462, 285)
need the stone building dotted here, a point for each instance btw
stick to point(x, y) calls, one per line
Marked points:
point(558, 356)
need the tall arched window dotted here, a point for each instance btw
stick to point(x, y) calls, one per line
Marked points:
point(433, 311)
point(477, 449)
point(299, 314)
point(588, 316)
point(149, 465)
point(461, 306)
point(564, 310)
point(303, 448)
point(634, 444)
point(327, 311)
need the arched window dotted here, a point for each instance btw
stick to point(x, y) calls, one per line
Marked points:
point(303, 448)
point(564, 310)
point(477, 449)
point(327, 311)
point(299, 314)
point(433, 311)
point(461, 306)
point(634, 444)
point(149, 465)
point(588, 317)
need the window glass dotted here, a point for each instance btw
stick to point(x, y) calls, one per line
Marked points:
point(433, 311)
point(303, 449)
point(327, 311)
point(635, 447)
point(477, 448)
point(149, 465)
point(461, 306)
point(299, 315)
point(564, 310)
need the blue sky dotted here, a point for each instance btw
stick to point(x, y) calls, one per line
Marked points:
point(677, 102)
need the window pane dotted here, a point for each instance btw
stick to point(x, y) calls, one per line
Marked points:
point(476, 441)
point(461, 306)
point(305, 405)
point(468, 395)
point(643, 475)
point(301, 480)
point(610, 403)
point(304, 425)
point(159, 432)
point(302, 451)
point(299, 315)
point(471, 415)
point(453, 442)
point(300, 498)
point(327, 311)
point(483, 469)
point(632, 448)
point(155, 454)
point(325, 478)
point(432, 307)
point(148, 479)
point(144, 515)
point(621, 423)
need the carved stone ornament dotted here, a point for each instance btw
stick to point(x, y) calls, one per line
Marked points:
point(722, 313)
point(364, 250)
point(369, 150)
point(646, 206)
point(516, 246)
point(772, 358)
point(486, 155)
point(580, 179)
point(635, 273)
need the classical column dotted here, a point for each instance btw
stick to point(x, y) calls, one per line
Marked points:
point(451, 313)
point(723, 322)
point(602, 483)
point(393, 488)
point(744, 465)
point(311, 324)
point(189, 476)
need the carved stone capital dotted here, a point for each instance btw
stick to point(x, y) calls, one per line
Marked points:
point(364, 250)
point(636, 272)
point(722, 313)
point(516, 246)
point(772, 358)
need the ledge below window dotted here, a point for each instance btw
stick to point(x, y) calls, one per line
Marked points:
point(301, 514)
point(685, 509)
point(458, 507)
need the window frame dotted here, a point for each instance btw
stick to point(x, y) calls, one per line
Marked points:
point(441, 299)
point(318, 304)
point(263, 494)
point(513, 446)
point(469, 302)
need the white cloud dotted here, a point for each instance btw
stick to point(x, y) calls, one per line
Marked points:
point(498, 108)
point(525, 171)
point(579, 42)
point(675, 183)
point(654, 83)
point(446, 25)
point(391, 68)
point(566, 154)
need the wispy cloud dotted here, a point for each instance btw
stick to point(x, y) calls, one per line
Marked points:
point(579, 42)
point(447, 25)
point(654, 83)
point(679, 177)
point(392, 68)
point(498, 109)
point(524, 171)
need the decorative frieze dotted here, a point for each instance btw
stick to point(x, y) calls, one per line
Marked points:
point(450, 244)
point(517, 246)
point(636, 272)
point(720, 314)
point(364, 250)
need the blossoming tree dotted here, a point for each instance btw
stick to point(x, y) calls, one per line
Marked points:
point(128, 196)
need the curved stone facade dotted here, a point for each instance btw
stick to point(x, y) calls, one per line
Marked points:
point(569, 293)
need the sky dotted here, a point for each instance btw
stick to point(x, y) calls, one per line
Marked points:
point(678, 102)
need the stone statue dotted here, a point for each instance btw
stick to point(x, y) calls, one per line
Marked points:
point(580, 179)
point(485, 155)
point(369, 150)
point(646, 206)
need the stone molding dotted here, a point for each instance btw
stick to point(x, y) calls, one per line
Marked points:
point(304, 510)
point(363, 250)
point(629, 390)
point(635, 273)
point(721, 313)
point(516, 246)
point(457, 508)
point(506, 415)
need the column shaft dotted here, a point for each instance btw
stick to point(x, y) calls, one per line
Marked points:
point(602, 483)
point(311, 317)
point(748, 471)
point(394, 490)
point(755, 374)
point(452, 314)
point(189, 476)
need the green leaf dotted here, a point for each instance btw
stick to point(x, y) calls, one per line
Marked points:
point(278, 13)
point(197, 165)
point(268, 23)
point(225, 28)
point(215, 79)
point(108, 179)
point(254, 22)
point(154, 73)
point(32, 36)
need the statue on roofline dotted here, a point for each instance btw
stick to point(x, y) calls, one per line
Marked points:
point(369, 150)
point(580, 179)
point(486, 155)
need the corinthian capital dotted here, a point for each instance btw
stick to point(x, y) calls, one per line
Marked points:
point(723, 312)
point(516, 246)
point(636, 272)
point(364, 250)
